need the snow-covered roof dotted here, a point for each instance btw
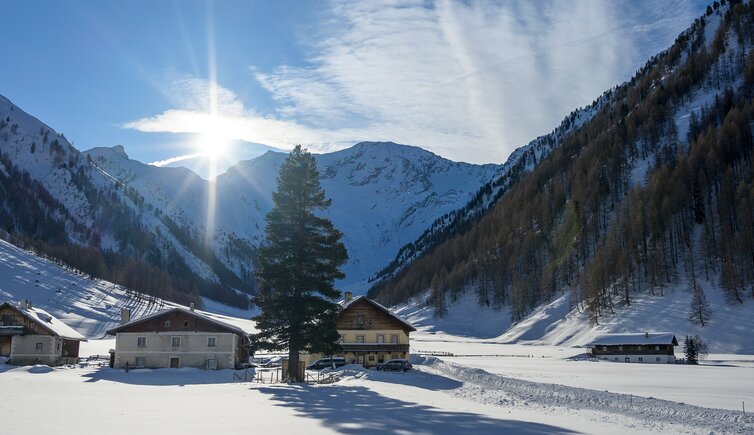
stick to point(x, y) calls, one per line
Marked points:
point(648, 338)
point(242, 326)
point(345, 304)
point(47, 321)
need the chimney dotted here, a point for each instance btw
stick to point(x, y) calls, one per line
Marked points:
point(125, 315)
point(646, 334)
point(191, 307)
point(349, 296)
point(26, 304)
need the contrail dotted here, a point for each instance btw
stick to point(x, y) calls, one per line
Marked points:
point(175, 159)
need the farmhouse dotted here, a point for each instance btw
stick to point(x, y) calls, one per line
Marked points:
point(181, 337)
point(369, 333)
point(30, 335)
point(655, 347)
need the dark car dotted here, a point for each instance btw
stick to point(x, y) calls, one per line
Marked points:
point(395, 365)
point(326, 363)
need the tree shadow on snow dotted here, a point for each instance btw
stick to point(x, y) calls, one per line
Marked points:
point(164, 377)
point(358, 410)
point(415, 378)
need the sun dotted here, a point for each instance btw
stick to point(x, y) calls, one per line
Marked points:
point(212, 140)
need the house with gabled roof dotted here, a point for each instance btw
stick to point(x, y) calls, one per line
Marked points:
point(644, 347)
point(370, 333)
point(30, 335)
point(181, 337)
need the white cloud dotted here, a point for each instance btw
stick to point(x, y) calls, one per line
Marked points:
point(470, 81)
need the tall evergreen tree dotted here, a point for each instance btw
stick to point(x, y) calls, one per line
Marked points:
point(700, 310)
point(297, 266)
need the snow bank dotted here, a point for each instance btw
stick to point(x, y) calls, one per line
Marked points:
point(485, 387)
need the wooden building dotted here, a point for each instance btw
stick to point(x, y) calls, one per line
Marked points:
point(654, 347)
point(370, 333)
point(30, 335)
point(181, 337)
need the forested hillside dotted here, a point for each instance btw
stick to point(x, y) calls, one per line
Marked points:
point(655, 190)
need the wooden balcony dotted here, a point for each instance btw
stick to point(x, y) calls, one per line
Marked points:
point(374, 347)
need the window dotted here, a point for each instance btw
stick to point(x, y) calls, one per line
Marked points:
point(359, 338)
point(141, 341)
point(211, 364)
point(628, 359)
point(211, 341)
point(175, 342)
point(167, 323)
point(641, 359)
point(380, 339)
point(38, 347)
point(657, 359)
point(140, 362)
point(185, 324)
point(360, 319)
point(371, 358)
point(175, 362)
point(380, 358)
point(604, 348)
point(394, 339)
point(657, 347)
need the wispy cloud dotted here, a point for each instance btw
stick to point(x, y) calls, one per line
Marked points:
point(470, 81)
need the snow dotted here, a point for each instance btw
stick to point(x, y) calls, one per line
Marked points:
point(50, 322)
point(439, 396)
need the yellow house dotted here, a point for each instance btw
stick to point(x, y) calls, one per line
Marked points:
point(369, 333)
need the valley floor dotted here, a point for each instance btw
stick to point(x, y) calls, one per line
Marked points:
point(539, 390)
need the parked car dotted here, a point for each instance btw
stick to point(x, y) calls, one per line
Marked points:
point(326, 363)
point(395, 365)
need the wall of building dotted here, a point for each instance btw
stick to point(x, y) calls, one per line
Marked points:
point(193, 351)
point(644, 358)
point(370, 335)
point(24, 350)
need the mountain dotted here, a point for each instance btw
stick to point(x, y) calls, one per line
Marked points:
point(152, 229)
point(651, 197)
point(383, 195)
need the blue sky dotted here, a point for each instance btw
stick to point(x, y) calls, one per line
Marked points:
point(470, 81)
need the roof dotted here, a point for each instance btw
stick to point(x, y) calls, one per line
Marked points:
point(379, 306)
point(649, 338)
point(47, 321)
point(241, 326)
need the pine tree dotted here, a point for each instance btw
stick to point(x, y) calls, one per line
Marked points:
point(689, 348)
point(297, 266)
point(700, 310)
point(700, 346)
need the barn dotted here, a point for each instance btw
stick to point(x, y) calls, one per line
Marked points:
point(644, 347)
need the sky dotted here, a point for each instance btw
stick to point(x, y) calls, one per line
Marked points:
point(189, 82)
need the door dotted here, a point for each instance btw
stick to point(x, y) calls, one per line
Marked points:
point(361, 359)
point(211, 364)
point(5, 345)
point(175, 362)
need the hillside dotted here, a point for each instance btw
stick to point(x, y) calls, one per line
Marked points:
point(652, 194)
point(89, 305)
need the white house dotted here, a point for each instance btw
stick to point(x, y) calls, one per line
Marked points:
point(30, 335)
point(181, 337)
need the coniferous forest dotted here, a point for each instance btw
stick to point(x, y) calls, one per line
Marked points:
point(630, 202)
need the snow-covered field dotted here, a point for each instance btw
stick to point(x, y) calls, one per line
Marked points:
point(440, 396)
